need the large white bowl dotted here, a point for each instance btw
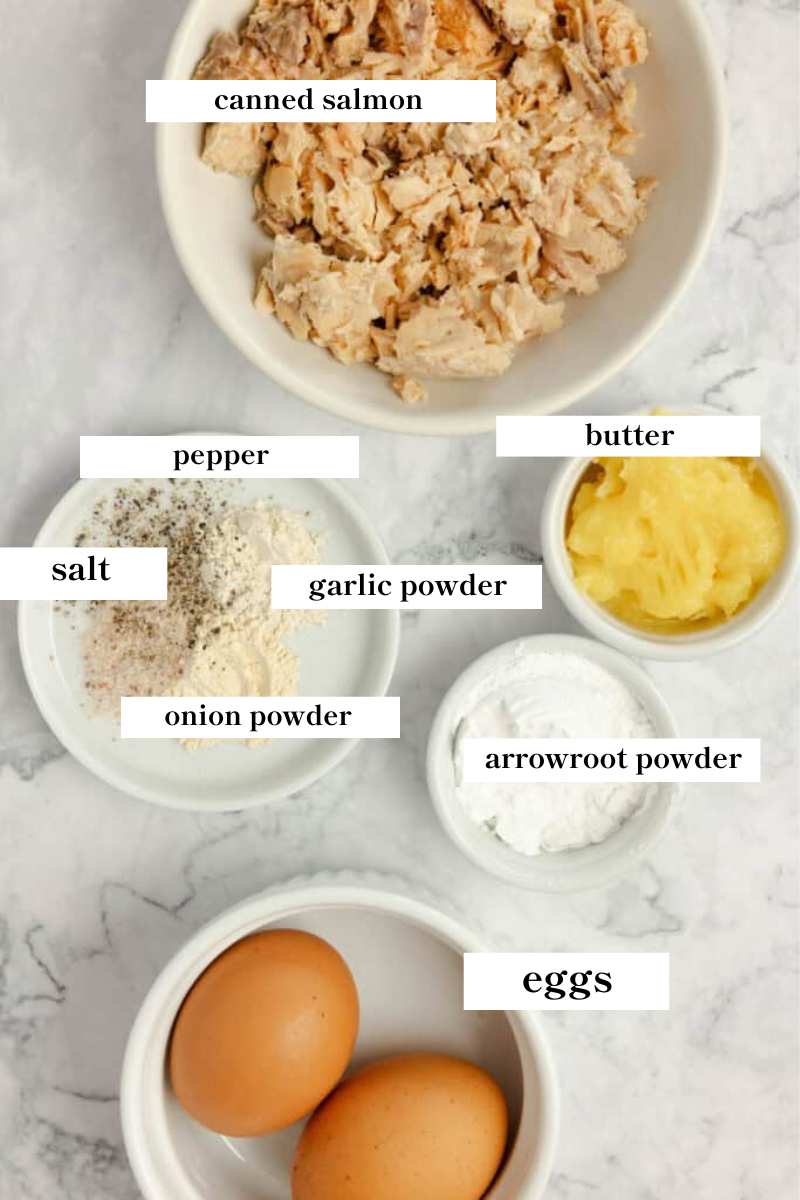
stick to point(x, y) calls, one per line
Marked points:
point(682, 113)
point(407, 961)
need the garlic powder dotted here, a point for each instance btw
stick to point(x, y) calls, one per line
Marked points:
point(244, 653)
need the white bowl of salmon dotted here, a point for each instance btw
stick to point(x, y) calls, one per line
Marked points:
point(424, 278)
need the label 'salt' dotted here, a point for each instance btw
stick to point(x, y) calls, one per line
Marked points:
point(72, 573)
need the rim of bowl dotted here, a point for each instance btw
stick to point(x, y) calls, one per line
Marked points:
point(668, 647)
point(261, 795)
point(482, 420)
point(604, 862)
point(173, 982)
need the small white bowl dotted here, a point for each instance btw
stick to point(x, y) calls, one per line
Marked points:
point(671, 647)
point(682, 114)
point(407, 962)
point(566, 870)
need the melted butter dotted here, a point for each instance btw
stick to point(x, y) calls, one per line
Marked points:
point(672, 545)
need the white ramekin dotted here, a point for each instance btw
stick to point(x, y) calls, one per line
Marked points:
point(567, 870)
point(405, 957)
point(673, 647)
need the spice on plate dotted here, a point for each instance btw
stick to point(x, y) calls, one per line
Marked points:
point(216, 634)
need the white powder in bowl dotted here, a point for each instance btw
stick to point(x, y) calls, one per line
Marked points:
point(543, 694)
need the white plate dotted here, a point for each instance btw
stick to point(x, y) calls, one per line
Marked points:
point(352, 654)
point(681, 112)
point(407, 961)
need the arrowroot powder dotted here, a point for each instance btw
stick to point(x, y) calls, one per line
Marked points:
point(551, 695)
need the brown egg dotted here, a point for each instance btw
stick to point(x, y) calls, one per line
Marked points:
point(265, 1033)
point(418, 1127)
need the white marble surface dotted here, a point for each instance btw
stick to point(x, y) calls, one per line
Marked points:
point(101, 333)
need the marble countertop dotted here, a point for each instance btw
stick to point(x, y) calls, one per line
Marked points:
point(101, 333)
